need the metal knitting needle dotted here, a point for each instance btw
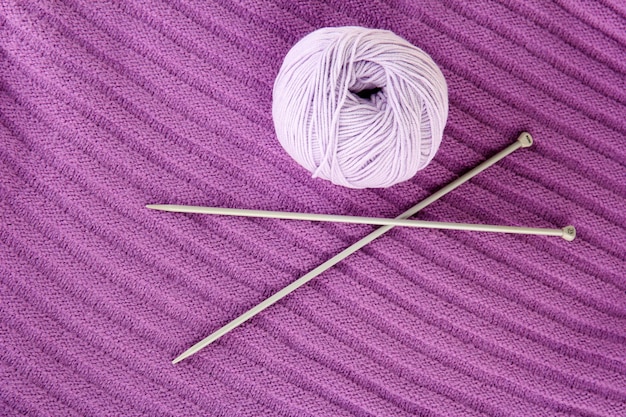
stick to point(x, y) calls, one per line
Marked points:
point(567, 233)
point(524, 140)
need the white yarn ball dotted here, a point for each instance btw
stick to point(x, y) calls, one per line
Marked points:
point(359, 107)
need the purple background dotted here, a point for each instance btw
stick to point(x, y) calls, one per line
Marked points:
point(107, 106)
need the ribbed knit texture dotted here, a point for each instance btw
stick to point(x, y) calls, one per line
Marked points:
point(106, 106)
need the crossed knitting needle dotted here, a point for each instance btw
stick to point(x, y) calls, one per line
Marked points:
point(524, 140)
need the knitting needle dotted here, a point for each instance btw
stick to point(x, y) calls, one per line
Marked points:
point(567, 233)
point(524, 140)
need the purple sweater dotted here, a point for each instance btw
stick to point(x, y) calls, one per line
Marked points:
point(106, 106)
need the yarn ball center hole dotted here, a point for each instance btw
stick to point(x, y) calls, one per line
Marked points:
point(368, 93)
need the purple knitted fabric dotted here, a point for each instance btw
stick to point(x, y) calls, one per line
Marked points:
point(106, 106)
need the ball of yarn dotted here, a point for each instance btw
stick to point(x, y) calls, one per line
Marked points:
point(360, 107)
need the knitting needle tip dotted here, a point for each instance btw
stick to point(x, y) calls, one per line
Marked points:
point(199, 346)
point(178, 359)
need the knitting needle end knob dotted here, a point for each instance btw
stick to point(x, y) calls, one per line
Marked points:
point(569, 233)
point(525, 139)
